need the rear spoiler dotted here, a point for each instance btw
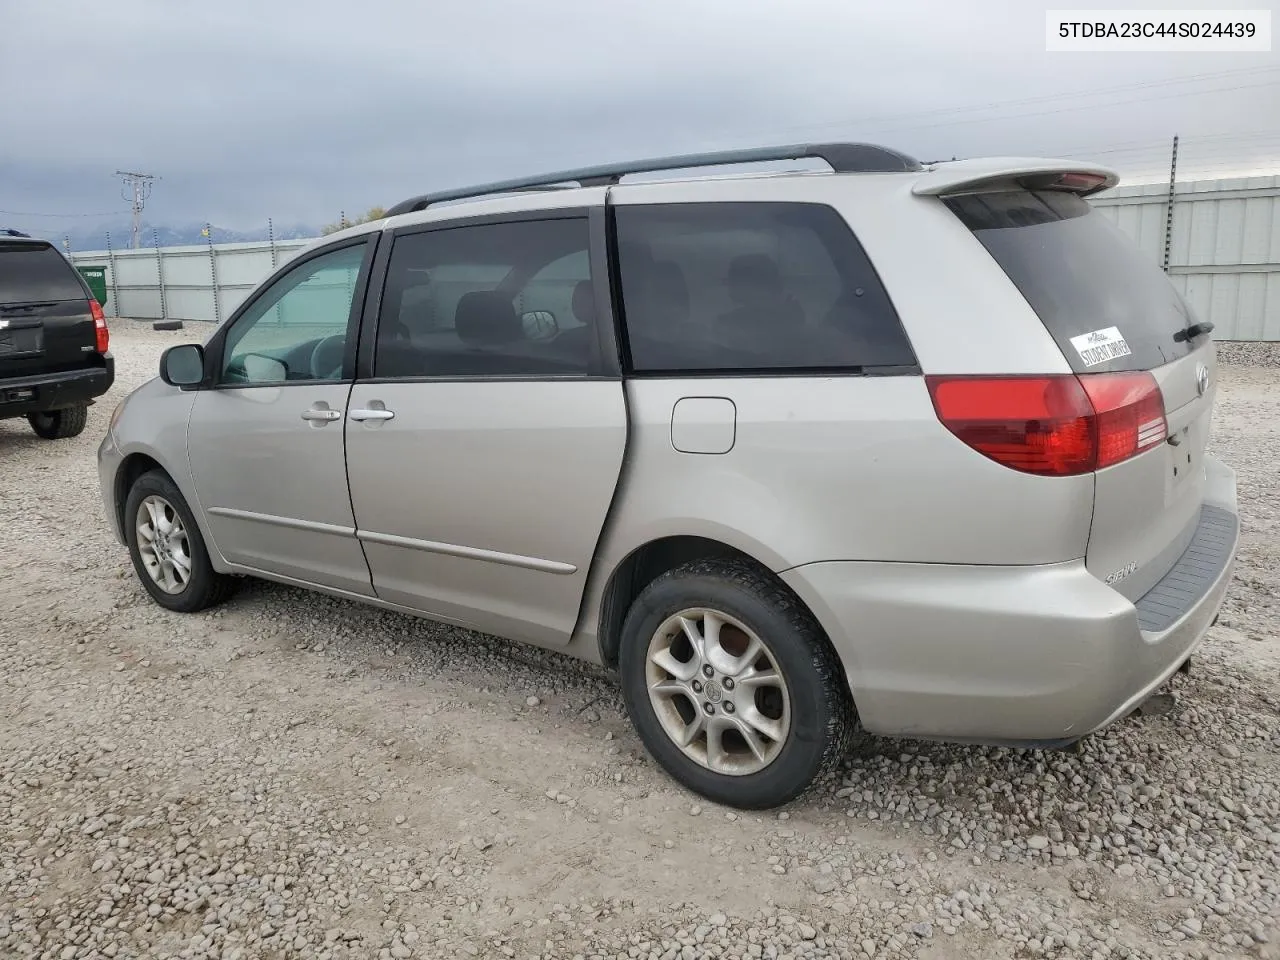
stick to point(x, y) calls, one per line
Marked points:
point(1010, 173)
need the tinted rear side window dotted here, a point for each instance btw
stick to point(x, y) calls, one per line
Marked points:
point(1083, 277)
point(750, 287)
point(34, 272)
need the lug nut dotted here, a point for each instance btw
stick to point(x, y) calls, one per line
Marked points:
point(728, 707)
point(728, 683)
point(697, 687)
point(707, 671)
point(708, 708)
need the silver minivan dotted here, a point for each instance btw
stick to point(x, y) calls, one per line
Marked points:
point(916, 449)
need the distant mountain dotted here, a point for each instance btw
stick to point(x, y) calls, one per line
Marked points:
point(95, 238)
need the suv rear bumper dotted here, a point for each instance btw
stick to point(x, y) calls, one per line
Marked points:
point(1020, 656)
point(54, 391)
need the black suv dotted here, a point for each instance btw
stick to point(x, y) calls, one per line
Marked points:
point(54, 356)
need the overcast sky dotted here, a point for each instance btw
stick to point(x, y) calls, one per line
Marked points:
point(296, 110)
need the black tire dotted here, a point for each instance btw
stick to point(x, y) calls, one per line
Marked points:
point(60, 424)
point(205, 587)
point(822, 714)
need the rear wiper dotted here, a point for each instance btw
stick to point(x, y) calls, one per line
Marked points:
point(13, 308)
point(1193, 331)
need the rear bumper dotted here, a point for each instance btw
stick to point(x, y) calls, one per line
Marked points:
point(43, 392)
point(1027, 656)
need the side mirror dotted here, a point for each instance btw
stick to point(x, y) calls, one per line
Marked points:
point(183, 365)
point(539, 325)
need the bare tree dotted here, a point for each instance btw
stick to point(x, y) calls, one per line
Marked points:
point(373, 213)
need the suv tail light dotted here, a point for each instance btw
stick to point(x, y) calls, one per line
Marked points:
point(102, 336)
point(1060, 425)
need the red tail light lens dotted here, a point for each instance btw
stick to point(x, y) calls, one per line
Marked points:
point(102, 336)
point(1053, 425)
point(1129, 412)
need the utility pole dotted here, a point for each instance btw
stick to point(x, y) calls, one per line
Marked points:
point(1168, 217)
point(135, 189)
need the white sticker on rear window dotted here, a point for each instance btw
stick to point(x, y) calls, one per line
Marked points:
point(1100, 346)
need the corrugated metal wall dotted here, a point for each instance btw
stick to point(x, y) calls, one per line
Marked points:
point(162, 283)
point(1225, 249)
point(1224, 257)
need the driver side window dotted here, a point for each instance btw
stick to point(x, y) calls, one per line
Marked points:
point(297, 330)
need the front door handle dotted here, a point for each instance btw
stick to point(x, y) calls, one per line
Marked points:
point(321, 413)
point(371, 413)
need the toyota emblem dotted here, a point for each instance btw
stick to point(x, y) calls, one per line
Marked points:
point(1202, 379)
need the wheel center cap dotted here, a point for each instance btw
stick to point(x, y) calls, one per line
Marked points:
point(714, 692)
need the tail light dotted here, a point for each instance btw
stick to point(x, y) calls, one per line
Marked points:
point(1053, 425)
point(1075, 182)
point(102, 336)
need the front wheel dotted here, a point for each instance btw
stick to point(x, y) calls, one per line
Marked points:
point(732, 685)
point(167, 549)
point(60, 424)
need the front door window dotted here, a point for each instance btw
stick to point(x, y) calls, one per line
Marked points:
point(297, 330)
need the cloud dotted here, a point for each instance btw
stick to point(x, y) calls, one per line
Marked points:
point(297, 110)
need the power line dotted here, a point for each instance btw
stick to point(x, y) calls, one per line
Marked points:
point(1216, 141)
point(27, 213)
point(1081, 106)
point(1258, 151)
point(1157, 170)
point(890, 122)
point(1153, 155)
point(1076, 95)
point(135, 189)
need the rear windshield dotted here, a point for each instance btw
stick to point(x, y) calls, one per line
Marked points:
point(36, 272)
point(1105, 302)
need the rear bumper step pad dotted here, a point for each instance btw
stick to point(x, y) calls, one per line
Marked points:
point(1194, 573)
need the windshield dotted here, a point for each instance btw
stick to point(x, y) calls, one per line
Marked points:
point(1106, 303)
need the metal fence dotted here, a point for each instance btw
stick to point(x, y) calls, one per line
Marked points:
point(205, 282)
point(1223, 247)
point(1223, 244)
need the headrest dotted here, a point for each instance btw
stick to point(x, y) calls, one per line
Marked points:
point(669, 280)
point(756, 270)
point(584, 301)
point(634, 254)
point(486, 318)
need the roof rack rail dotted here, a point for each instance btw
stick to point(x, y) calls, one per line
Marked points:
point(842, 158)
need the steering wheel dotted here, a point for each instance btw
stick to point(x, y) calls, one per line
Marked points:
point(327, 356)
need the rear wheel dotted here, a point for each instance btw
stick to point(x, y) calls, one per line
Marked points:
point(167, 549)
point(732, 685)
point(60, 424)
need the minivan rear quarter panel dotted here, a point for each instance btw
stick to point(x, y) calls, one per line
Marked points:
point(837, 468)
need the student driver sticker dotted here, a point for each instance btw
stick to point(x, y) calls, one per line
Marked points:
point(1100, 346)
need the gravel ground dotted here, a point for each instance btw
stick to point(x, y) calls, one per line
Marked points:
point(1249, 354)
point(295, 776)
